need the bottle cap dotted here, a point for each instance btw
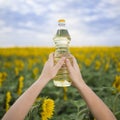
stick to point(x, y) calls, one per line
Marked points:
point(61, 20)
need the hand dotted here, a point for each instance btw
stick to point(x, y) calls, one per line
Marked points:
point(50, 70)
point(74, 71)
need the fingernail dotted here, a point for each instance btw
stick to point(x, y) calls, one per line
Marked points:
point(67, 60)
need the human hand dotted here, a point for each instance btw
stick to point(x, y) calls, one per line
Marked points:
point(50, 69)
point(74, 71)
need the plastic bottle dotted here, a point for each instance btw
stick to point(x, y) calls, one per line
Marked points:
point(62, 40)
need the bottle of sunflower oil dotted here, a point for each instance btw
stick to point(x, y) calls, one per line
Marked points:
point(62, 40)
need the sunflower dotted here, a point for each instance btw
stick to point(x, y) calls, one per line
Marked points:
point(8, 99)
point(47, 109)
point(116, 83)
point(20, 86)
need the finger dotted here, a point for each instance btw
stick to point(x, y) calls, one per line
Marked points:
point(75, 64)
point(51, 54)
point(69, 66)
point(51, 58)
point(74, 60)
point(59, 64)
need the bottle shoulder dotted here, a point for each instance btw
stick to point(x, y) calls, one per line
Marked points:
point(63, 33)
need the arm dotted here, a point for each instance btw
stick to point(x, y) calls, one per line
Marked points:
point(95, 104)
point(21, 107)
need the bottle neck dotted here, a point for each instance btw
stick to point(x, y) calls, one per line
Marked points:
point(61, 24)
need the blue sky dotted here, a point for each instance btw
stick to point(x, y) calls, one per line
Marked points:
point(34, 22)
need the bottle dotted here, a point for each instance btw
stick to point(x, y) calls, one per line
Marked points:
point(62, 40)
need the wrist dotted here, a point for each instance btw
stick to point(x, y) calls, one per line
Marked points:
point(81, 85)
point(43, 79)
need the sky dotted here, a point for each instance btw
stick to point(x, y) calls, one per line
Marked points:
point(34, 22)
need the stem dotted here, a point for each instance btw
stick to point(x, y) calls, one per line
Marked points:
point(117, 113)
point(114, 102)
point(102, 88)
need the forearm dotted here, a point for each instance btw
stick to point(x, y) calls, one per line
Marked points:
point(21, 107)
point(95, 104)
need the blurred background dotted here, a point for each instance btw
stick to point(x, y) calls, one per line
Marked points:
point(34, 22)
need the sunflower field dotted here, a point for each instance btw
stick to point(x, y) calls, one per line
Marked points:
point(20, 67)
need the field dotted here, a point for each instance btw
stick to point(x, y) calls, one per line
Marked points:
point(100, 67)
